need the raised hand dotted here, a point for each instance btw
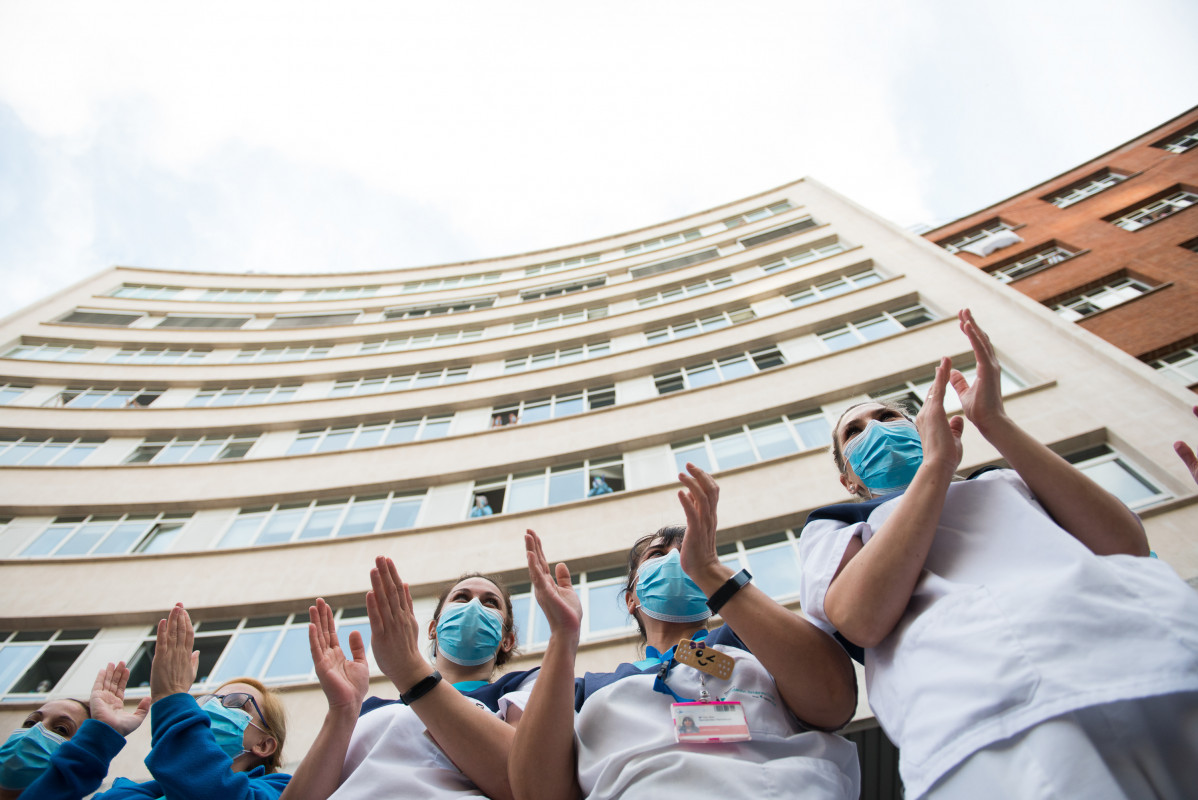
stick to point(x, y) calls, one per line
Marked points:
point(108, 700)
point(1186, 454)
point(394, 634)
point(699, 500)
point(174, 667)
point(554, 591)
point(981, 402)
point(940, 436)
point(344, 682)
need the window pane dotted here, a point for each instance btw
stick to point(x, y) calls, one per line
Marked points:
point(281, 526)
point(814, 431)
point(527, 492)
point(161, 537)
point(320, 524)
point(773, 440)
point(695, 454)
point(402, 432)
point(369, 437)
point(536, 411)
point(876, 328)
point(14, 660)
point(402, 513)
point(732, 450)
point(336, 440)
point(84, 539)
point(607, 611)
point(735, 367)
point(294, 657)
point(361, 518)
point(241, 533)
point(1119, 481)
point(47, 541)
point(204, 452)
point(566, 485)
point(839, 340)
point(775, 570)
point(121, 539)
point(702, 376)
point(247, 654)
point(565, 406)
point(435, 429)
point(39, 456)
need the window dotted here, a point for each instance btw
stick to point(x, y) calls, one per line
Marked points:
point(158, 355)
point(191, 450)
point(1180, 365)
point(179, 321)
point(747, 444)
point(680, 292)
point(107, 535)
point(1191, 245)
point(1115, 473)
point(314, 320)
point(564, 318)
point(552, 358)
point(273, 649)
point(1179, 143)
point(830, 288)
point(911, 394)
point(884, 324)
point(757, 214)
point(550, 486)
point(718, 370)
point(672, 264)
point(1045, 257)
point(33, 662)
point(323, 519)
point(92, 397)
point(562, 405)
point(34, 451)
point(11, 391)
point(1098, 182)
point(240, 295)
point(558, 266)
point(451, 283)
point(773, 560)
point(1100, 298)
point(419, 340)
point(982, 240)
point(295, 353)
point(434, 309)
point(82, 316)
point(681, 330)
point(778, 233)
point(806, 255)
point(323, 440)
point(139, 292)
point(541, 292)
point(341, 293)
point(398, 383)
point(664, 241)
point(49, 352)
point(1155, 211)
point(242, 396)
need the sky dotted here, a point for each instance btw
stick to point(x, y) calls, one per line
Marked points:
point(330, 137)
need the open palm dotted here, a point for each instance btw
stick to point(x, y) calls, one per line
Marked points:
point(108, 700)
point(344, 681)
point(554, 590)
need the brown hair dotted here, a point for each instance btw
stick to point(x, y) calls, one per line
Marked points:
point(672, 534)
point(835, 449)
point(273, 715)
point(509, 616)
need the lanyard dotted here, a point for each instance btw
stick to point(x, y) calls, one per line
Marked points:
point(666, 660)
point(469, 686)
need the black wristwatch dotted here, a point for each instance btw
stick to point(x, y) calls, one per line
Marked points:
point(724, 593)
point(422, 687)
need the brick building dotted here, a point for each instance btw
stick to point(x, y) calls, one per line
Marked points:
point(1112, 245)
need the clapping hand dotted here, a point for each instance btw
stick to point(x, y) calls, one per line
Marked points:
point(981, 402)
point(699, 500)
point(174, 667)
point(344, 682)
point(554, 591)
point(394, 633)
point(108, 700)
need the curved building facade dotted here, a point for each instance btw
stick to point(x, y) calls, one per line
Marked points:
point(244, 443)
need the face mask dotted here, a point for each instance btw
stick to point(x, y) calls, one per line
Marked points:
point(25, 755)
point(667, 593)
point(469, 633)
point(228, 726)
point(886, 455)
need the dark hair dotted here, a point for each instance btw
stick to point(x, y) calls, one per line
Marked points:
point(509, 617)
point(672, 534)
point(87, 708)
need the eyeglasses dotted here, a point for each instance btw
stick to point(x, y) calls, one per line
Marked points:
point(236, 700)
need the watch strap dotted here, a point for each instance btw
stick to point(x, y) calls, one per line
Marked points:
point(422, 687)
point(724, 593)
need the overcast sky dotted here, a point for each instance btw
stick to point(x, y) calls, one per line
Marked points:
point(310, 137)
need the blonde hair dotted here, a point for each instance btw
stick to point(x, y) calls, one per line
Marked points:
point(273, 714)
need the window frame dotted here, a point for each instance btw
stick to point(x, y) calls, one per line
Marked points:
point(153, 528)
point(1066, 308)
point(308, 508)
point(853, 326)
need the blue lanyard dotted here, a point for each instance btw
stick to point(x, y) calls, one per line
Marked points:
point(469, 686)
point(666, 660)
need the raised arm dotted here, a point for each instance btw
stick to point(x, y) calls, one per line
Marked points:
point(1091, 514)
point(1186, 454)
point(874, 583)
point(344, 683)
point(543, 763)
point(475, 740)
point(813, 673)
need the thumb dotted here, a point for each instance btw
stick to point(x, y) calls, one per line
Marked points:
point(959, 384)
point(142, 709)
point(563, 576)
point(1186, 454)
point(957, 426)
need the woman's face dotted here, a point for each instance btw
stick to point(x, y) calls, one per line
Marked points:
point(58, 716)
point(489, 596)
point(656, 549)
point(852, 424)
point(258, 732)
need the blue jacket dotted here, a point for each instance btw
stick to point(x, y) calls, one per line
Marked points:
point(77, 768)
point(187, 764)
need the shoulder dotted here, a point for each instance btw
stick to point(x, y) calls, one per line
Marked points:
point(849, 513)
point(492, 693)
point(593, 682)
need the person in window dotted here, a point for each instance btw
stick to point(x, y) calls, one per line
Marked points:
point(598, 487)
point(227, 744)
point(1010, 622)
point(609, 735)
point(57, 751)
point(481, 507)
point(449, 732)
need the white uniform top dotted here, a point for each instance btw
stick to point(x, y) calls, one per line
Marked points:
point(1011, 622)
point(392, 755)
point(625, 740)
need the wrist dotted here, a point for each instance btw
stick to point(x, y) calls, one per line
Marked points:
point(993, 425)
point(712, 576)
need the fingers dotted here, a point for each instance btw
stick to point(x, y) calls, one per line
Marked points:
point(374, 615)
point(1187, 456)
point(935, 396)
point(121, 679)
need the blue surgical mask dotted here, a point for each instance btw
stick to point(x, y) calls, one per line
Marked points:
point(228, 726)
point(886, 455)
point(469, 633)
point(25, 755)
point(667, 593)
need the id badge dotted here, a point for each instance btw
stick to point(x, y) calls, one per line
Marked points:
point(702, 723)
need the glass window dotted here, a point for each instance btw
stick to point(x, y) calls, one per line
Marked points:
point(607, 611)
point(775, 569)
point(402, 513)
point(566, 484)
point(282, 526)
point(247, 655)
point(293, 658)
point(362, 517)
point(814, 431)
point(528, 491)
point(772, 439)
point(695, 453)
point(732, 449)
point(1114, 473)
point(322, 522)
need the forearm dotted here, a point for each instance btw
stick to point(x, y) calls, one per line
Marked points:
point(319, 774)
point(475, 740)
point(868, 596)
point(79, 766)
point(1091, 514)
point(184, 757)
point(542, 760)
